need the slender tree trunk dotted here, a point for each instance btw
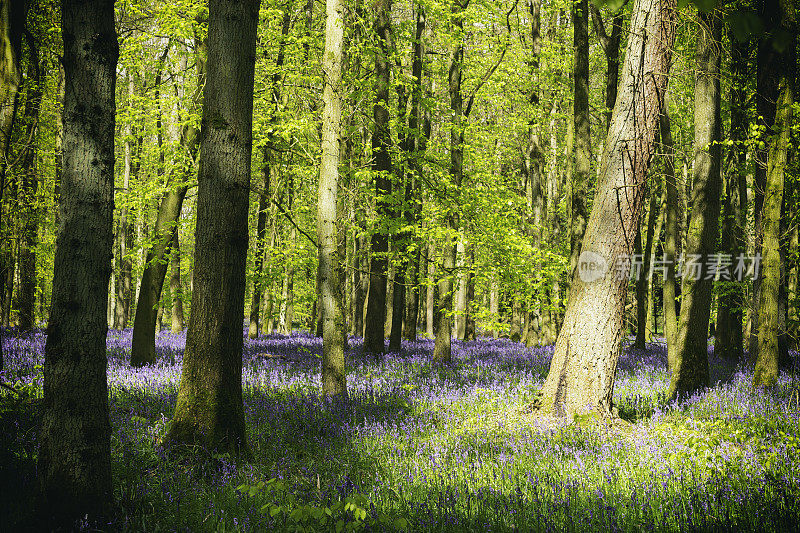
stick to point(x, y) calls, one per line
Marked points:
point(382, 166)
point(155, 270)
point(125, 234)
point(691, 365)
point(769, 327)
point(430, 293)
point(643, 281)
point(329, 297)
point(469, 325)
point(728, 343)
point(263, 197)
point(583, 367)
point(460, 313)
point(672, 241)
point(209, 409)
point(494, 302)
point(74, 459)
point(441, 348)
point(175, 286)
point(578, 208)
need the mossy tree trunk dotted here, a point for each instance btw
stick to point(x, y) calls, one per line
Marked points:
point(209, 409)
point(769, 319)
point(74, 459)
point(690, 372)
point(329, 294)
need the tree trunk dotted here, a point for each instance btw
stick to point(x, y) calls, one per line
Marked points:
point(329, 297)
point(175, 285)
point(582, 370)
point(74, 459)
point(469, 325)
point(769, 327)
point(768, 63)
point(125, 228)
point(643, 282)
point(381, 166)
point(578, 208)
point(729, 340)
point(672, 241)
point(430, 292)
point(691, 364)
point(155, 270)
point(441, 348)
point(209, 409)
point(460, 313)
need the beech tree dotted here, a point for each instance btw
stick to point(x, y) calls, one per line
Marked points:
point(690, 371)
point(769, 331)
point(209, 408)
point(74, 463)
point(581, 376)
point(329, 296)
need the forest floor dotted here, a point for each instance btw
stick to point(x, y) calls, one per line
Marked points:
point(419, 447)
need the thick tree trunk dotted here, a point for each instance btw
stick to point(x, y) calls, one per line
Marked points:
point(381, 166)
point(769, 319)
point(329, 297)
point(209, 409)
point(728, 343)
point(691, 364)
point(583, 367)
point(74, 460)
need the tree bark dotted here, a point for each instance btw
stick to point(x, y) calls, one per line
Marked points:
point(74, 459)
point(374, 329)
point(769, 319)
point(329, 297)
point(209, 409)
point(582, 370)
point(691, 364)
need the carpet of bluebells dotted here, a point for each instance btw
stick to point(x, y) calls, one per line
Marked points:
point(442, 448)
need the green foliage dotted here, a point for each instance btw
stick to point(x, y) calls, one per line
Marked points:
point(348, 514)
